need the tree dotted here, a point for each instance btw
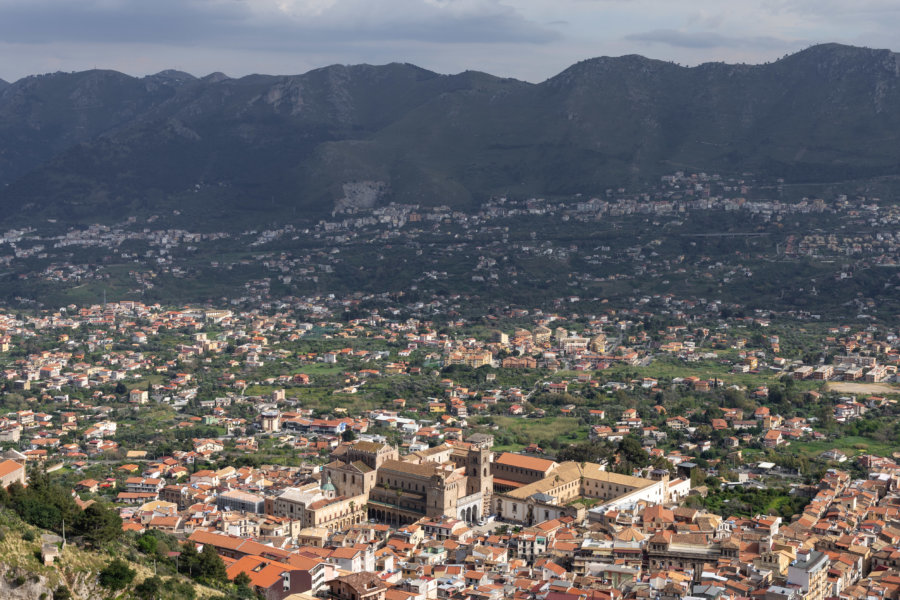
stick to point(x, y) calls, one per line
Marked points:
point(41, 515)
point(149, 588)
point(42, 504)
point(210, 565)
point(147, 544)
point(698, 477)
point(714, 412)
point(243, 588)
point(703, 432)
point(658, 462)
point(584, 452)
point(98, 524)
point(187, 562)
point(631, 454)
point(116, 575)
point(62, 593)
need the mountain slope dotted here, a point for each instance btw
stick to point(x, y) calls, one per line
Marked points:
point(262, 147)
point(823, 113)
point(45, 115)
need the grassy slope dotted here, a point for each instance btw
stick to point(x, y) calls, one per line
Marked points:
point(75, 568)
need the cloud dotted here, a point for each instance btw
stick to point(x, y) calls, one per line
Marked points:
point(267, 23)
point(834, 8)
point(528, 39)
point(702, 18)
point(706, 39)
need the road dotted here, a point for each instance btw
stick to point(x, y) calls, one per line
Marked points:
point(487, 528)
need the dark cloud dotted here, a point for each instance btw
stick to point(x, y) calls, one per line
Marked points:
point(261, 23)
point(529, 39)
point(160, 21)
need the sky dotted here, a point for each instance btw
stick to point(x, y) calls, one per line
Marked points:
point(526, 39)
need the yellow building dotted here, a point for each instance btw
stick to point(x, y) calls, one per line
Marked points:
point(551, 497)
point(315, 507)
point(442, 481)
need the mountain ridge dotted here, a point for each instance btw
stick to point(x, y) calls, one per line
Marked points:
point(103, 143)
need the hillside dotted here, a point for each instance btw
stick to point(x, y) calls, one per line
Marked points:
point(100, 144)
point(23, 576)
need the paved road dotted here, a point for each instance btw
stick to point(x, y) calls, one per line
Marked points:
point(487, 528)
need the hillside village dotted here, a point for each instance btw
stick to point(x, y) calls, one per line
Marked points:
point(530, 455)
point(771, 249)
point(380, 333)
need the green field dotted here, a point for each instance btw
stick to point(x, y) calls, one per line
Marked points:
point(747, 502)
point(515, 433)
point(849, 445)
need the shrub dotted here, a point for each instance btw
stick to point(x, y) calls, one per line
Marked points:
point(62, 593)
point(179, 589)
point(148, 589)
point(116, 575)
